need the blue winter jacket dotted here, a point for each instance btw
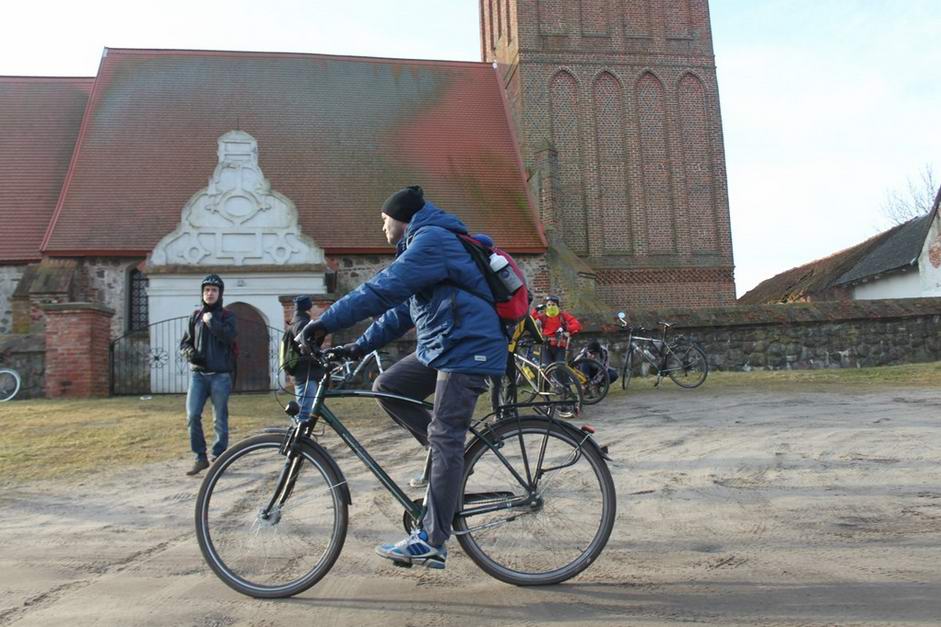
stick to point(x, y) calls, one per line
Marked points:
point(434, 286)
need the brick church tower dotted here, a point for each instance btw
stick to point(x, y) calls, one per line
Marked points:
point(617, 109)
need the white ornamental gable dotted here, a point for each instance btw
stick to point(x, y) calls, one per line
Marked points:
point(237, 220)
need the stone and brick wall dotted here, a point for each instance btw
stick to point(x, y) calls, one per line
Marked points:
point(9, 278)
point(105, 281)
point(617, 109)
point(845, 334)
point(25, 353)
point(77, 340)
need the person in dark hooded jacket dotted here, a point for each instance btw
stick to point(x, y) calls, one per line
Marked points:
point(208, 346)
point(434, 286)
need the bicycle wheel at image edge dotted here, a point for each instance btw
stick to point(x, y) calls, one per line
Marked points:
point(687, 365)
point(596, 386)
point(565, 526)
point(9, 384)
point(296, 544)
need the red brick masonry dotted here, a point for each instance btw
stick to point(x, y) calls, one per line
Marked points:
point(77, 359)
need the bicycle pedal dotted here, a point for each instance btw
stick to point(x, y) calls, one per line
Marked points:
point(402, 564)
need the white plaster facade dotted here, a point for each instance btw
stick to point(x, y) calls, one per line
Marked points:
point(241, 229)
point(896, 285)
point(919, 281)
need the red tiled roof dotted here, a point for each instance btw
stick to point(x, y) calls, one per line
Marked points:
point(39, 121)
point(336, 135)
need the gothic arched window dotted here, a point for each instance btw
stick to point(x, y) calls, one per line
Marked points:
point(137, 301)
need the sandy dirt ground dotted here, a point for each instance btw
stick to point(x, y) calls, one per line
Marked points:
point(734, 507)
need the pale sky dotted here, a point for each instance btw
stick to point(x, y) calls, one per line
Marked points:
point(826, 104)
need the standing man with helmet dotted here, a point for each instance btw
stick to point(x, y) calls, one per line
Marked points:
point(557, 327)
point(434, 286)
point(208, 346)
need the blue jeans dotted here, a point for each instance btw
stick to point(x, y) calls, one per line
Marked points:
point(202, 387)
point(304, 391)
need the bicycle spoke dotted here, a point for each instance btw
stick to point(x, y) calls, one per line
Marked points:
point(267, 526)
point(548, 534)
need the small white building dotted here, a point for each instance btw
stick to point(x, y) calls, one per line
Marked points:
point(902, 262)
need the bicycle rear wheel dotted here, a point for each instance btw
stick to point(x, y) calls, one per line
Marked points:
point(628, 368)
point(597, 384)
point(557, 383)
point(290, 549)
point(9, 384)
point(687, 365)
point(548, 523)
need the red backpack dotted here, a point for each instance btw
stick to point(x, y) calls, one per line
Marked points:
point(511, 306)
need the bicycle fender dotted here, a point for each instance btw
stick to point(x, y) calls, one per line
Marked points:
point(578, 433)
point(342, 485)
point(574, 431)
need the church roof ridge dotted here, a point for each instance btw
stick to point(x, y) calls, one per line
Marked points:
point(294, 54)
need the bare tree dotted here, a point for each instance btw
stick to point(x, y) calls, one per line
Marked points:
point(917, 200)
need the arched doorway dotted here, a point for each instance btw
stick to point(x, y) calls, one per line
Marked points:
point(254, 341)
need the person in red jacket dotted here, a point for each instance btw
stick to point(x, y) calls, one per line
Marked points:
point(557, 327)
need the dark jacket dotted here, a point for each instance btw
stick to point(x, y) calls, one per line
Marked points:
point(303, 370)
point(434, 286)
point(209, 348)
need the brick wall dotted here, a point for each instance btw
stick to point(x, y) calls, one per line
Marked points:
point(617, 108)
point(353, 270)
point(77, 340)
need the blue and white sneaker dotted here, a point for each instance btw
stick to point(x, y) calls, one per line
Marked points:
point(415, 549)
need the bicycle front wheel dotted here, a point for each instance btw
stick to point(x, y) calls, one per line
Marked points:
point(270, 525)
point(687, 365)
point(596, 385)
point(538, 502)
point(9, 384)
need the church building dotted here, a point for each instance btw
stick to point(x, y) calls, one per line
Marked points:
point(587, 142)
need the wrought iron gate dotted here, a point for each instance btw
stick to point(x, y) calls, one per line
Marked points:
point(148, 361)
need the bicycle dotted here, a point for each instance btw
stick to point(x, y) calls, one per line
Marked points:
point(537, 501)
point(366, 371)
point(680, 359)
point(9, 384)
point(534, 380)
point(592, 376)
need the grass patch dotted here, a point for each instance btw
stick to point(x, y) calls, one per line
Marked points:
point(55, 439)
point(907, 375)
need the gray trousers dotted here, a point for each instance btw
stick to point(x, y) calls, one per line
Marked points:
point(442, 429)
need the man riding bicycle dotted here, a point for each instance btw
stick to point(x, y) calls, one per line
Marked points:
point(434, 286)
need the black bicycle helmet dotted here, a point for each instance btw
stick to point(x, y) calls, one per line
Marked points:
point(552, 298)
point(213, 279)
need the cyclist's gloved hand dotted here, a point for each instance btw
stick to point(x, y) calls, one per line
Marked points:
point(313, 335)
point(347, 351)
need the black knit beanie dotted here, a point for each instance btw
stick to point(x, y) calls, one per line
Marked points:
point(404, 204)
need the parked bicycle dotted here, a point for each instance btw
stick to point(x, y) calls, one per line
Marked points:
point(9, 384)
point(678, 358)
point(537, 502)
point(535, 380)
point(592, 377)
point(351, 373)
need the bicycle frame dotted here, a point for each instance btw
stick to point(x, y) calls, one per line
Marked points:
point(350, 373)
point(304, 429)
point(634, 343)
